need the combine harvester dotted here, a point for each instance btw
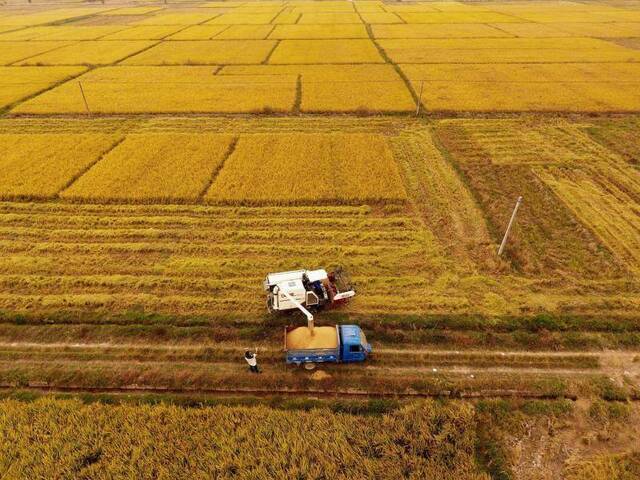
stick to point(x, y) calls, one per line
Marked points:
point(307, 290)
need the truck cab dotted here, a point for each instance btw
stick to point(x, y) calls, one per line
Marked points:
point(353, 344)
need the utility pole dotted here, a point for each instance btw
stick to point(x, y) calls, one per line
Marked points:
point(506, 234)
point(420, 98)
point(84, 99)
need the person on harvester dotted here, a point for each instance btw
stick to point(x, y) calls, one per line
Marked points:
point(252, 360)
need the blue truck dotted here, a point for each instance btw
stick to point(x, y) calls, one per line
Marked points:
point(335, 344)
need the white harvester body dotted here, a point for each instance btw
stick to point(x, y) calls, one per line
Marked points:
point(305, 289)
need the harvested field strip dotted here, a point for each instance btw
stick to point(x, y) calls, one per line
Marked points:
point(620, 136)
point(184, 212)
point(445, 203)
point(539, 143)
point(612, 214)
point(163, 254)
point(205, 124)
point(166, 223)
point(547, 237)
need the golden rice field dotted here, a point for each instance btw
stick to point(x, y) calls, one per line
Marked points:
point(414, 210)
point(175, 442)
point(446, 56)
point(157, 160)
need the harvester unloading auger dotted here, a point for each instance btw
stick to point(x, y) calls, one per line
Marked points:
point(307, 290)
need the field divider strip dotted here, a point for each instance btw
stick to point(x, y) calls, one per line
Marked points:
point(118, 62)
point(268, 57)
point(216, 170)
point(212, 37)
point(446, 155)
point(297, 104)
point(90, 166)
point(396, 67)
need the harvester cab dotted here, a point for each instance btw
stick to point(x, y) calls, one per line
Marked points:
point(311, 289)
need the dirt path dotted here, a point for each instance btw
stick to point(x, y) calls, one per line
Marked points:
point(218, 369)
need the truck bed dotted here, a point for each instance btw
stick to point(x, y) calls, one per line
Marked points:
point(303, 347)
point(301, 338)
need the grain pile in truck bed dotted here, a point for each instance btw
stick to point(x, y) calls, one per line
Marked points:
point(322, 337)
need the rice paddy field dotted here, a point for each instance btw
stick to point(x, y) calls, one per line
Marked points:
point(157, 160)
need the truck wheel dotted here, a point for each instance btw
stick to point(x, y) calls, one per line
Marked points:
point(309, 366)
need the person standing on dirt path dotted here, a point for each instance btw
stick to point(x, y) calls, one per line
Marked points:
point(252, 360)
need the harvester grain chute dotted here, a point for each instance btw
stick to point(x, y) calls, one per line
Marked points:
point(313, 290)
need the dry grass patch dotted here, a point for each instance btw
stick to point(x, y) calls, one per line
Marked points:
point(40, 165)
point(325, 51)
point(89, 53)
point(17, 83)
point(212, 52)
point(313, 32)
point(308, 168)
point(166, 89)
point(153, 168)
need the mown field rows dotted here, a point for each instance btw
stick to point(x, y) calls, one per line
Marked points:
point(489, 152)
point(463, 57)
